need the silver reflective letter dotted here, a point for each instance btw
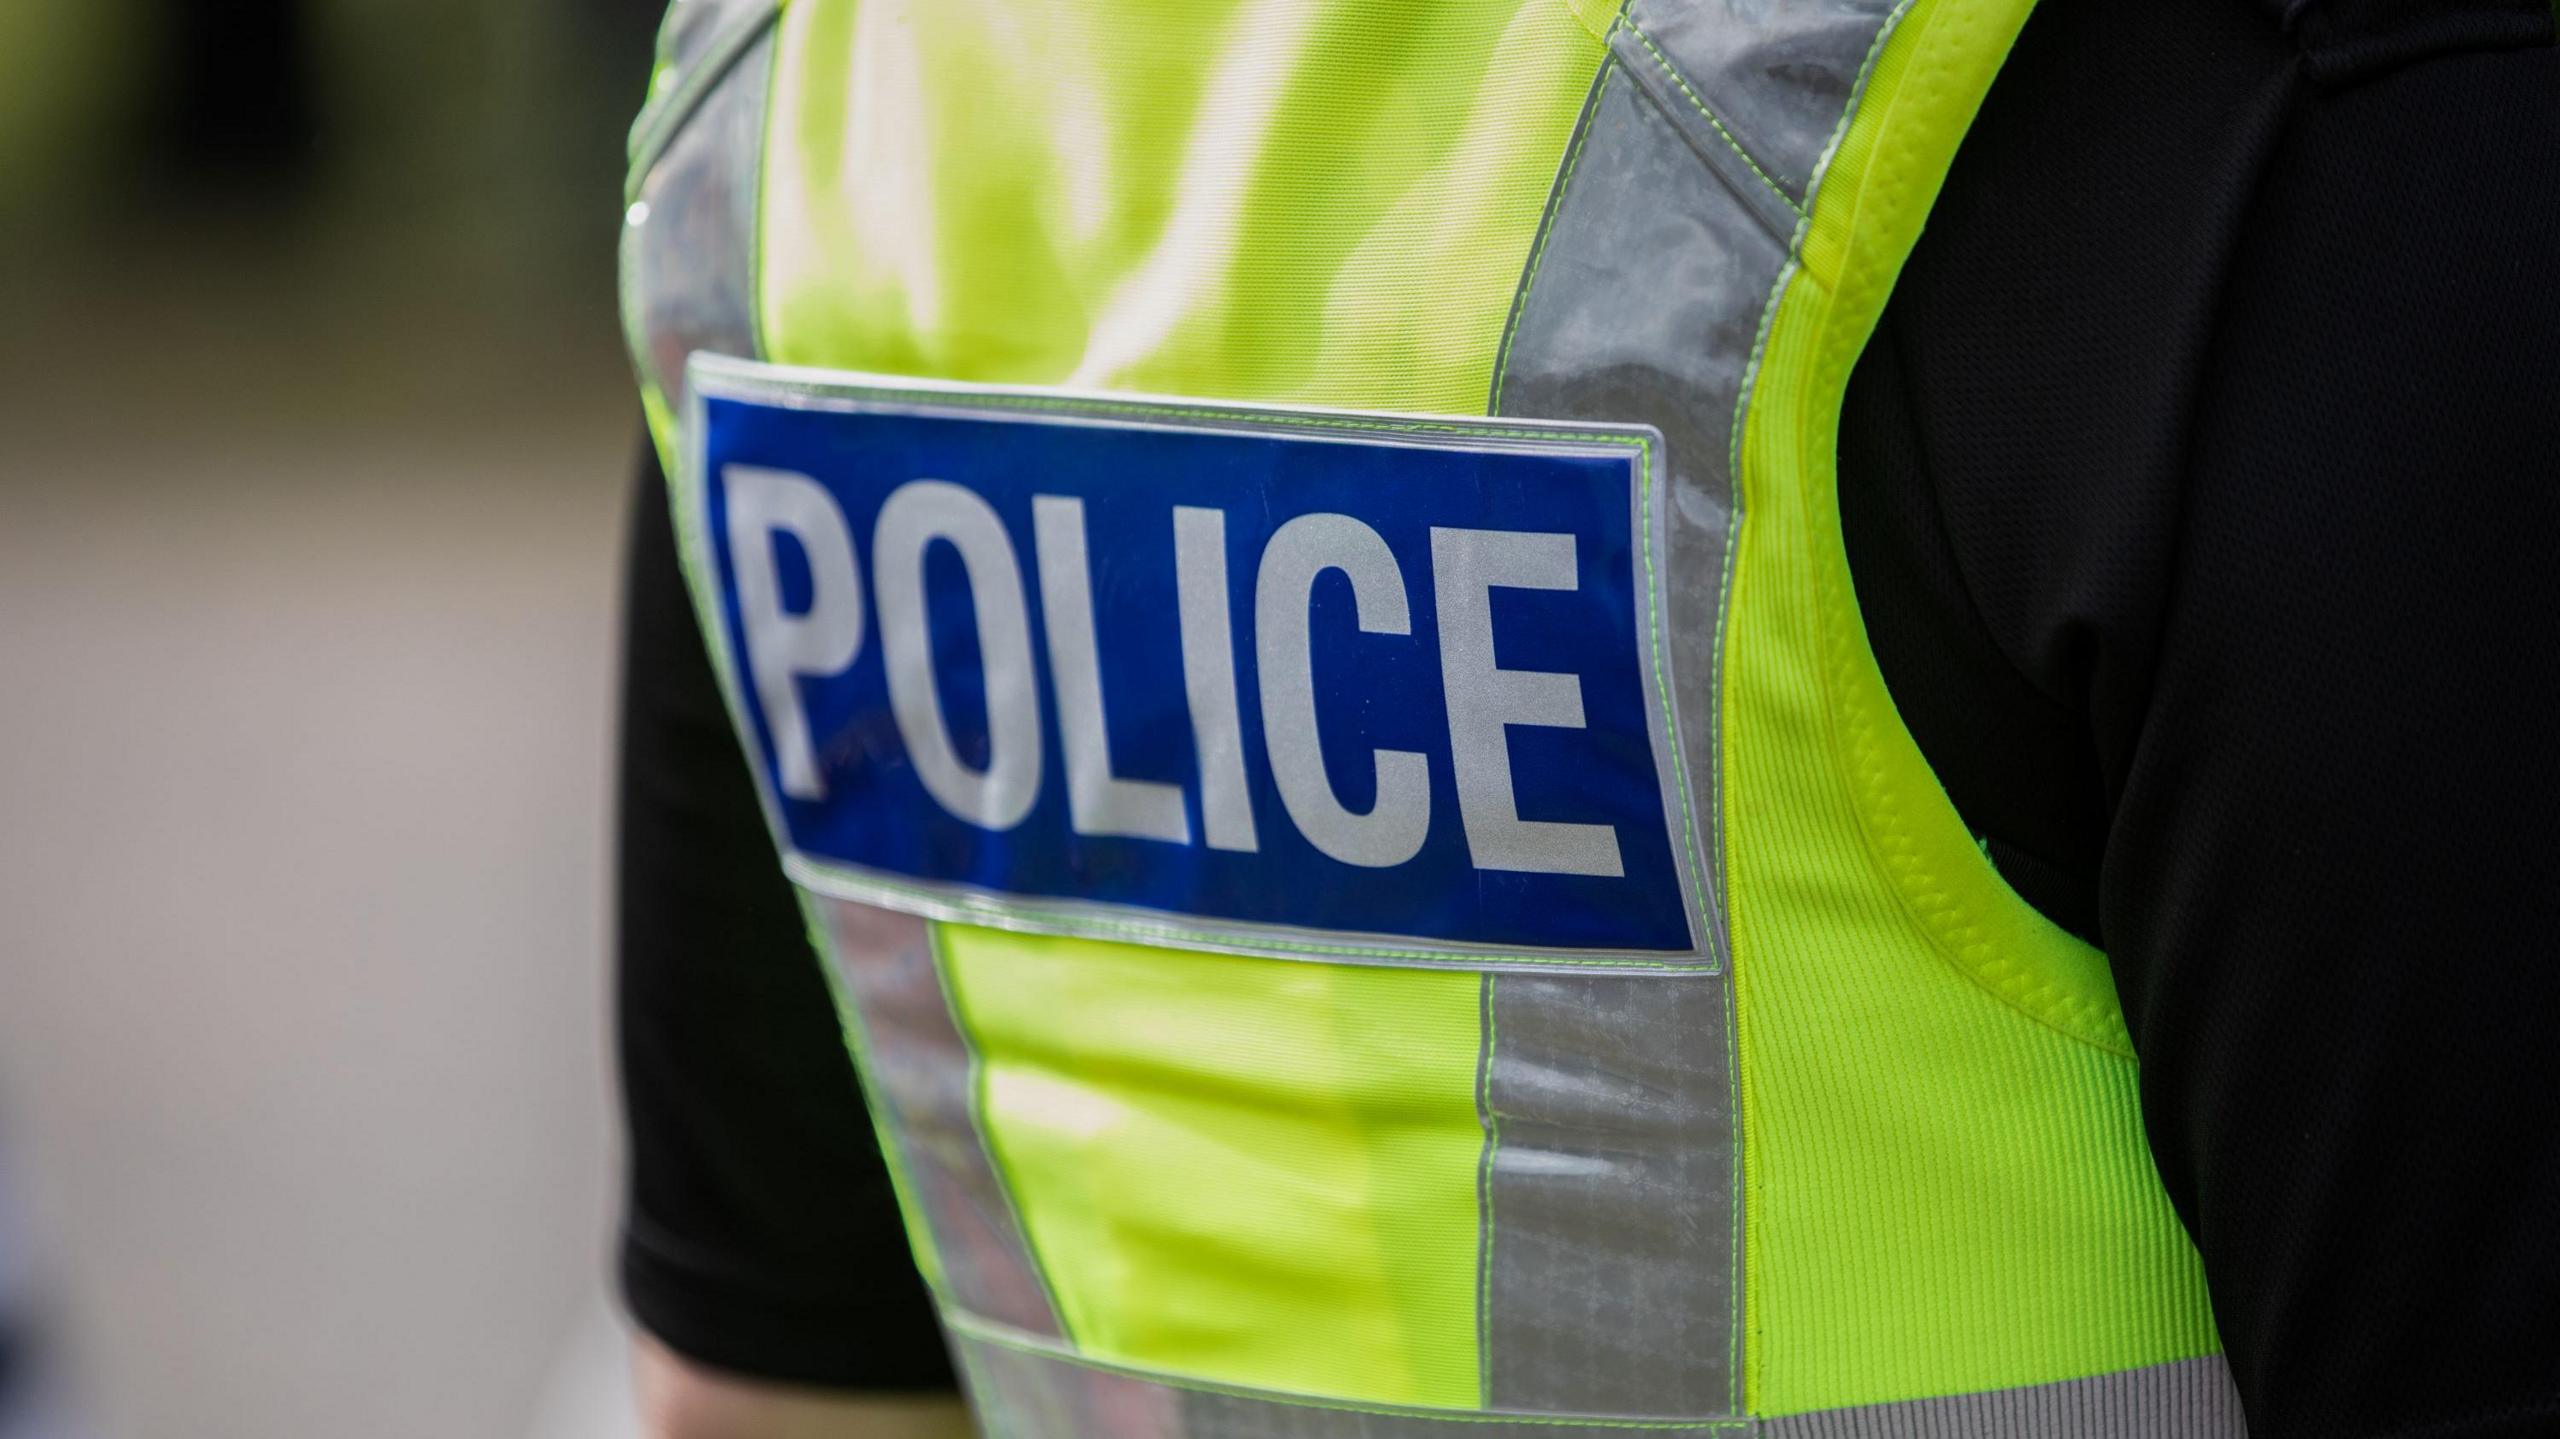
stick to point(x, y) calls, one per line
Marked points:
point(782, 647)
point(1484, 698)
point(1209, 676)
point(917, 514)
point(1098, 801)
point(1393, 829)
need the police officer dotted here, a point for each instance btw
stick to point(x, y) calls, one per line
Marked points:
point(1470, 748)
point(31, 1406)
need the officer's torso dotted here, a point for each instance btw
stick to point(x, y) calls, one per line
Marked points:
point(1277, 566)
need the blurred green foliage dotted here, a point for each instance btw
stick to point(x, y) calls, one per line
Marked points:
point(62, 88)
point(492, 125)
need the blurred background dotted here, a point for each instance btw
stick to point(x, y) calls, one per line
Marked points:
point(314, 442)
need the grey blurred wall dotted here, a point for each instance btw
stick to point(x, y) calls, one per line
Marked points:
point(310, 500)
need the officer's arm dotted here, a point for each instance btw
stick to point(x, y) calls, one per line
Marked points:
point(762, 1235)
point(682, 1400)
point(2214, 572)
point(2332, 893)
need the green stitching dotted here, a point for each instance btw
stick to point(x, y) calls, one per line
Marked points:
point(1653, 606)
point(818, 872)
point(1751, 382)
point(1484, 1197)
point(1671, 719)
point(889, 1128)
point(1735, 1380)
point(984, 1332)
point(1733, 990)
point(1848, 112)
point(1284, 418)
point(1733, 543)
point(1682, 81)
point(1733, 995)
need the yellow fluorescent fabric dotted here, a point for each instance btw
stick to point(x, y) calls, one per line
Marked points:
point(1947, 1186)
point(1264, 1173)
point(1250, 1170)
point(1308, 201)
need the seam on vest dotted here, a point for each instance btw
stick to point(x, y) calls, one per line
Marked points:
point(1744, 1189)
point(839, 882)
point(763, 192)
point(1849, 112)
point(1690, 92)
point(940, 955)
point(1658, 627)
point(1742, 1382)
point(1745, 1180)
point(876, 1108)
point(1737, 1258)
point(1492, 1121)
point(1953, 930)
point(650, 141)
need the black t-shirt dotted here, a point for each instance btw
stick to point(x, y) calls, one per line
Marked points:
point(2200, 490)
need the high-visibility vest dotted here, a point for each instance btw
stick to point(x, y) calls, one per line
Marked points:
point(1221, 1106)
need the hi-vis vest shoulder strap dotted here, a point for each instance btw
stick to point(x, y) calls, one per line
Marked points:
point(1278, 567)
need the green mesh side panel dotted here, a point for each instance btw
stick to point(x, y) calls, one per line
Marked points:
point(1947, 1185)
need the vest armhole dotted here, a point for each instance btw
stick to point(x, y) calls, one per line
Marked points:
point(1885, 172)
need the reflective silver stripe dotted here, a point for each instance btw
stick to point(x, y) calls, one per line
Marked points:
point(1776, 77)
point(1747, 187)
point(1613, 1269)
point(1644, 301)
point(1612, 1281)
point(688, 243)
point(2190, 1399)
point(923, 1078)
point(1020, 1391)
point(1023, 1390)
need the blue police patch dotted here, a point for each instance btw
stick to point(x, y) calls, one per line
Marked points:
point(1262, 680)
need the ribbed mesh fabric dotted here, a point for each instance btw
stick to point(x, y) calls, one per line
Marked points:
point(1947, 1185)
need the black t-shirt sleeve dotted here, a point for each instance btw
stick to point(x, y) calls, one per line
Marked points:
point(2203, 489)
point(761, 1232)
point(2332, 882)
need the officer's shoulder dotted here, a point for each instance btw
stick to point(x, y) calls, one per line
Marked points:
point(2342, 42)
